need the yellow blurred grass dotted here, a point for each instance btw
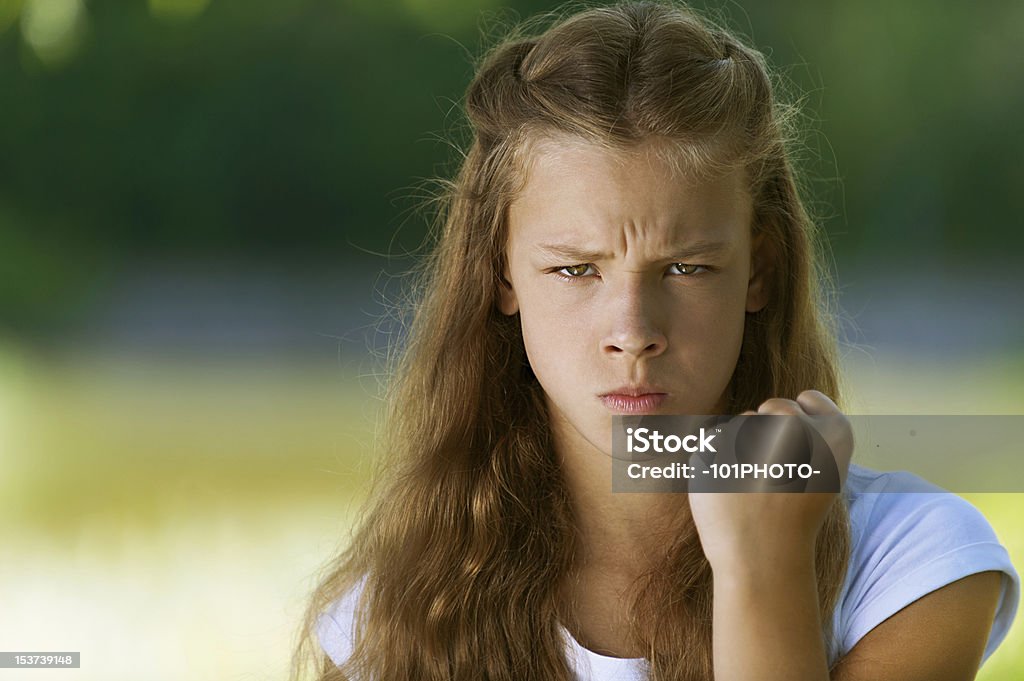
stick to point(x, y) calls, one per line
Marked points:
point(170, 517)
point(103, 436)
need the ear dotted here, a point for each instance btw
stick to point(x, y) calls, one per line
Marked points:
point(761, 267)
point(507, 301)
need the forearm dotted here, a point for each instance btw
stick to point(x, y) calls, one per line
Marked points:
point(767, 625)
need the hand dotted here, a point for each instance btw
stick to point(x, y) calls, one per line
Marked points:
point(751, 529)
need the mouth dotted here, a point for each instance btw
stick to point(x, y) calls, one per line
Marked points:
point(633, 401)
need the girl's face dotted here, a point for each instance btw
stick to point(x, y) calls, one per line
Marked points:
point(626, 278)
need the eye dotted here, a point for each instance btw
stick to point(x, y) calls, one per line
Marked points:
point(573, 271)
point(687, 269)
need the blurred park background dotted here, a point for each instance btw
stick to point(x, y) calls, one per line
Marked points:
point(206, 207)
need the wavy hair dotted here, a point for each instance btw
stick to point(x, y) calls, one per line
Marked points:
point(470, 530)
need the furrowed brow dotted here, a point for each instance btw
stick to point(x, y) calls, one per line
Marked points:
point(703, 247)
point(570, 253)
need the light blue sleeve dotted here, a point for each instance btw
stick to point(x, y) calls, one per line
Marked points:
point(908, 544)
point(335, 628)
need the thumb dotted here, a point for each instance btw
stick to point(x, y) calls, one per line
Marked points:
point(701, 479)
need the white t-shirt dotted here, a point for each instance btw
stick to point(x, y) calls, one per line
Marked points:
point(909, 539)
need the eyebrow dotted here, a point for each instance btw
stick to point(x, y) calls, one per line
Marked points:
point(568, 252)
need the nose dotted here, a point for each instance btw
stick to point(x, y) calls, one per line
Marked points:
point(634, 329)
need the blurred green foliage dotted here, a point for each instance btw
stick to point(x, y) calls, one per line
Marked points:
point(289, 129)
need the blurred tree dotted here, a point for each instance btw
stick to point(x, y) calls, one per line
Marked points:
point(286, 129)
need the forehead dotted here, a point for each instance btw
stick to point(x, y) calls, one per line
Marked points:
point(575, 185)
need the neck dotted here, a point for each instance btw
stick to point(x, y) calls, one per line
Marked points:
point(622, 537)
point(622, 534)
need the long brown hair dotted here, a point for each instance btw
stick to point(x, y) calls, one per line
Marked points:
point(470, 529)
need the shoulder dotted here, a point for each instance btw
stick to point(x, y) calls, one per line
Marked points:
point(899, 516)
point(335, 628)
point(910, 538)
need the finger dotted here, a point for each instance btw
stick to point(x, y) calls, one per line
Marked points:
point(781, 406)
point(815, 402)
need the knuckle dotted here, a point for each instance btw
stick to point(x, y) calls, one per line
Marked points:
point(779, 405)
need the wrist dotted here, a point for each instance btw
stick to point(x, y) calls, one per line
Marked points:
point(797, 562)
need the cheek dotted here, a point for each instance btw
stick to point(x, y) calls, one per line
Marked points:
point(549, 334)
point(705, 335)
point(556, 339)
point(548, 315)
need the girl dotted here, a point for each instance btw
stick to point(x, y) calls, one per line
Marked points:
point(625, 236)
